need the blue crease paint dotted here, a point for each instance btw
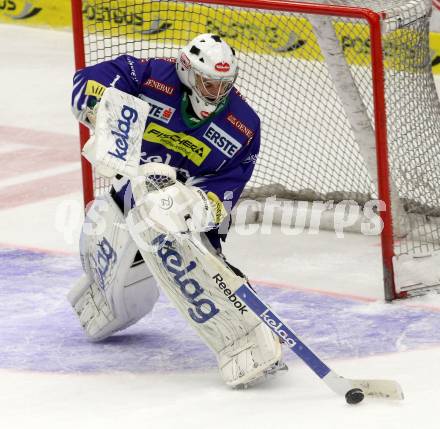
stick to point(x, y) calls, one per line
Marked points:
point(39, 331)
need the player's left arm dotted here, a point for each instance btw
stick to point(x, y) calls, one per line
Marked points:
point(89, 84)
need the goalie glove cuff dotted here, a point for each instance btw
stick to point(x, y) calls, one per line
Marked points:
point(91, 114)
point(202, 215)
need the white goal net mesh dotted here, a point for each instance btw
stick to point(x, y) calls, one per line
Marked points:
point(309, 149)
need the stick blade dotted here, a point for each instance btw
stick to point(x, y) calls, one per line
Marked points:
point(383, 389)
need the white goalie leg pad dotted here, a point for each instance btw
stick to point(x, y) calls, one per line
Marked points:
point(116, 291)
point(245, 348)
point(251, 358)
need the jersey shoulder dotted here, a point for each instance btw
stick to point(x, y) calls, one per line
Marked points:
point(242, 111)
point(162, 78)
point(243, 121)
point(164, 66)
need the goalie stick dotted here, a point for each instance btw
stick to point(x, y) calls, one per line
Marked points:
point(221, 276)
point(354, 390)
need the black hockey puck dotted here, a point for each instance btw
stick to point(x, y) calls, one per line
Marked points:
point(354, 396)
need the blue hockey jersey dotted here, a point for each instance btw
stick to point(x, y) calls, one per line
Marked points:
point(217, 154)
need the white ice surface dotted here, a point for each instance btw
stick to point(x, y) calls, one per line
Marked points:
point(36, 67)
point(297, 400)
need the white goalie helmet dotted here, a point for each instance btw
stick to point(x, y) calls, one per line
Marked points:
point(208, 67)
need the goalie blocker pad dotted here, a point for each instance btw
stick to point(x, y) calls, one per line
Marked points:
point(115, 148)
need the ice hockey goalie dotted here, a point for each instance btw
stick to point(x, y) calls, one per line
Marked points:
point(179, 143)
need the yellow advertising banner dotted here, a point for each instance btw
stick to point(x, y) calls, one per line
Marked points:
point(434, 42)
point(46, 13)
point(249, 31)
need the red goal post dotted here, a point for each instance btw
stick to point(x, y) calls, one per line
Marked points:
point(105, 33)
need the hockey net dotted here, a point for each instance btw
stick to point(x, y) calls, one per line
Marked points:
point(332, 107)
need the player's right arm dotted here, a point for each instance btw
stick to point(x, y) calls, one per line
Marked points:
point(125, 73)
